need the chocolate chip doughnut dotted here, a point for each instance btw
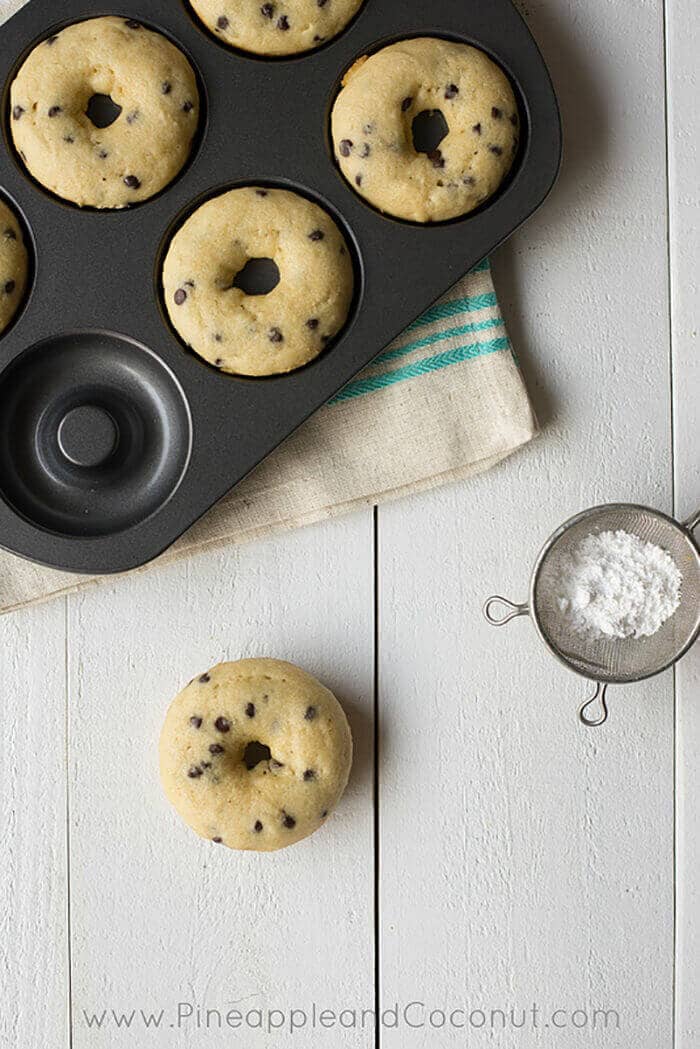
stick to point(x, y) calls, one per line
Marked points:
point(154, 108)
point(283, 27)
point(378, 114)
point(258, 334)
point(255, 754)
point(14, 264)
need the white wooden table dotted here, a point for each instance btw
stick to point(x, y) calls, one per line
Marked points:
point(490, 852)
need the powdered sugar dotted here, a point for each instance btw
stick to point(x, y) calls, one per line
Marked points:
point(616, 585)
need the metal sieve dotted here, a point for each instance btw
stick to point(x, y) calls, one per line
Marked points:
point(611, 661)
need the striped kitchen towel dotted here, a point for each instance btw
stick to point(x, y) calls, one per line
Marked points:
point(444, 401)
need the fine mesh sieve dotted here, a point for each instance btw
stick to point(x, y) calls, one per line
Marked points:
point(611, 661)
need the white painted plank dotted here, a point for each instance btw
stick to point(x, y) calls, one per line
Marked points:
point(33, 894)
point(525, 859)
point(683, 36)
point(159, 916)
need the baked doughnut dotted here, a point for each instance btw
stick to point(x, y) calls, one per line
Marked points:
point(258, 334)
point(149, 90)
point(283, 27)
point(14, 266)
point(374, 128)
point(255, 754)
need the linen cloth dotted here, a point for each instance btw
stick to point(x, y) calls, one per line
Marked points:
point(445, 400)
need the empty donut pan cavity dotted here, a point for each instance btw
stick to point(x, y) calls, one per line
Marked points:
point(114, 437)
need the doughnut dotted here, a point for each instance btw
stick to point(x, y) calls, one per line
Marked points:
point(452, 91)
point(242, 332)
point(255, 754)
point(92, 72)
point(284, 27)
point(14, 266)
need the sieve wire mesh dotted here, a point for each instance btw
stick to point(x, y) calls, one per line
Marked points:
point(628, 659)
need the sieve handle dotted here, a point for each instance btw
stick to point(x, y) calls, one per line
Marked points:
point(492, 605)
point(597, 697)
point(692, 523)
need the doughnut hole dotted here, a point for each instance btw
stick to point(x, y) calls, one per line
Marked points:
point(258, 277)
point(254, 753)
point(102, 111)
point(428, 130)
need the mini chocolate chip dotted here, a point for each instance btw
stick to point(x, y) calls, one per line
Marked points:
point(311, 713)
point(477, 129)
point(289, 822)
point(133, 116)
point(468, 180)
point(52, 40)
point(218, 841)
point(187, 107)
point(283, 23)
point(275, 335)
point(215, 748)
point(309, 775)
point(218, 362)
point(321, 3)
point(344, 147)
point(190, 284)
point(319, 39)
point(514, 119)
point(437, 158)
point(166, 87)
point(250, 710)
point(10, 234)
point(261, 192)
point(196, 721)
point(206, 764)
point(132, 23)
point(496, 149)
point(312, 323)
point(439, 182)
point(17, 112)
point(324, 814)
point(316, 234)
point(55, 110)
point(180, 296)
point(194, 772)
point(132, 182)
point(366, 150)
point(358, 180)
point(103, 154)
point(69, 139)
point(451, 91)
point(218, 337)
point(257, 827)
point(496, 113)
point(407, 103)
point(222, 22)
point(222, 725)
point(204, 679)
point(267, 10)
point(10, 287)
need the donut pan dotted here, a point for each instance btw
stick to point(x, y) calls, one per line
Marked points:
point(114, 438)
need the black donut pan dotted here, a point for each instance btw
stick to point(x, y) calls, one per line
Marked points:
point(114, 438)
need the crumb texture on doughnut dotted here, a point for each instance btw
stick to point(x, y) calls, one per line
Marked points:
point(255, 754)
point(281, 27)
point(373, 126)
point(264, 334)
point(137, 155)
point(14, 265)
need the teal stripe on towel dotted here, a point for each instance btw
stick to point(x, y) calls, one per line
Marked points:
point(438, 336)
point(371, 383)
point(449, 309)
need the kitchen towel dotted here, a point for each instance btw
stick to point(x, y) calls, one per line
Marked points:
point(444, 401)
